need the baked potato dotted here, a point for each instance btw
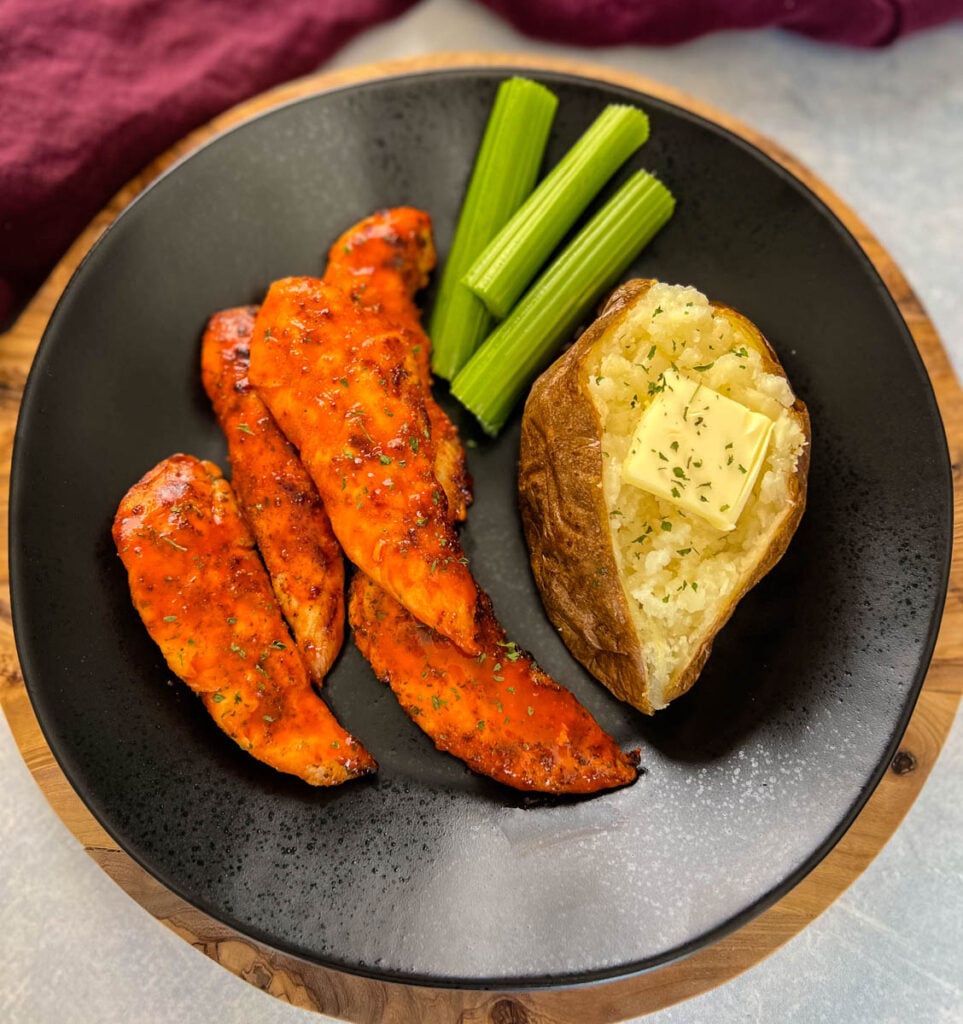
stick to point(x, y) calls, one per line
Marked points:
point(640, 563)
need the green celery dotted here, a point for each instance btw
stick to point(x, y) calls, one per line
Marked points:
point(503, 271)
point(504, 174)
point(492, 381)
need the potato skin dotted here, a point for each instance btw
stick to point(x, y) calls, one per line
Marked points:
point(565, 519)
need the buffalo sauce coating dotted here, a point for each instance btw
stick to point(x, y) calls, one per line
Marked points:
point(344, 387)
point(277, 496)
point(497, 711)
point(391, 253)
point(382, 262)
point(206, 600)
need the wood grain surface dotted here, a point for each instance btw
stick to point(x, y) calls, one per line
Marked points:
point(365, 1001)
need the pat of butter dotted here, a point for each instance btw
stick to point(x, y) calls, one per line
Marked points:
point(698, 449)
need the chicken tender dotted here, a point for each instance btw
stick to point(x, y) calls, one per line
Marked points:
point(382, 263)
point(276, 496)
point(497, 712)
point(344, 387)
point(206, 600)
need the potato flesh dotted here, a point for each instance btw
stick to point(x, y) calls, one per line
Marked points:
point(680, 573)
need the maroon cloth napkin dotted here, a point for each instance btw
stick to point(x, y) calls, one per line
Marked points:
point(90, 92)
point(663, 22)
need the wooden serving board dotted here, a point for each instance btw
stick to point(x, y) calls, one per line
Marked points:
point(363, 1000)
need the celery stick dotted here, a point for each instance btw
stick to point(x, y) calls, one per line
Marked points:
point(504, 173)
point(507, 265)
point(511, 357)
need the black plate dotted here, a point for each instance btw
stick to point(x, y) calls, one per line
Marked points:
point(429, 873)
